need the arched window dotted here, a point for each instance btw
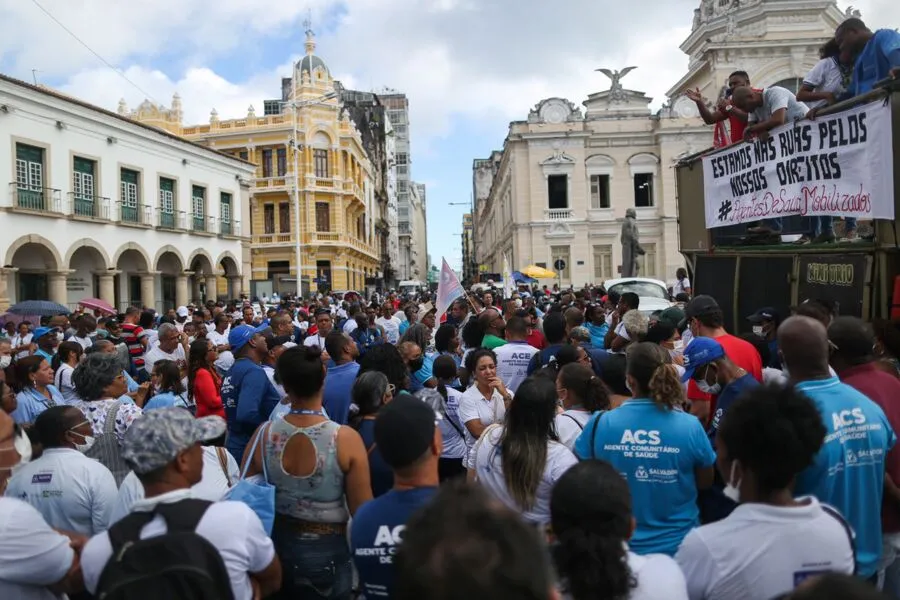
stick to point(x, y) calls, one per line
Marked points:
point(793, 84)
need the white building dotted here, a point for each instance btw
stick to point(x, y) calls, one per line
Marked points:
point(98, 205)
point(561, 185)
point(397, 106)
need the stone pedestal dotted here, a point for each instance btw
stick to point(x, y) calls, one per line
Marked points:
point(181, 289)
point(148, 290)
point(212, 290)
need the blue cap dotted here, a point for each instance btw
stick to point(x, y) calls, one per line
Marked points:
point(242, 334)
point(701, 351)
point(42, 331)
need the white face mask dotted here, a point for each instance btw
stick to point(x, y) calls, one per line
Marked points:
point(60, 336)
point(88, 440)
point(22, 445)
point(686, 338)
point(758, 330)
point(5, 361)
point(732, 489)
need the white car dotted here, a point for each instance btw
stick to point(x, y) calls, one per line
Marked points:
point(653, 293)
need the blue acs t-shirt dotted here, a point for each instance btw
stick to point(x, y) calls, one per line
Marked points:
point(249, 398)
point(377, 530)
point(848, 472)
point(656, 451)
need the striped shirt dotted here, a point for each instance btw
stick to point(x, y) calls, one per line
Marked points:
point(131, 333)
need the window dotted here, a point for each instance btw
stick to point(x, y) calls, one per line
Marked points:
point(269, 218)
point(225, 212)
point(560, 253)
point(267, 163)
point(244, 155)
point(647, 262)
point(198, 206)
point(599, 191)
point(402, 186)
point(643, 189)
point(323, 218)
point(30, 177)
point(83, 186)
point(129, 182)
point(558, 191)
point(402, 158)
point(320, 158)
point(284, 217)
point(166, 202)
point(401, 130)
point(602, 263)
point(403, 171)
point(271, 107)
point(282, 162)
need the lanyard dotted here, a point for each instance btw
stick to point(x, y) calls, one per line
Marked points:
point(307, 412)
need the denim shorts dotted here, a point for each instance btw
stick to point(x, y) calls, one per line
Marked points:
point(314, 566)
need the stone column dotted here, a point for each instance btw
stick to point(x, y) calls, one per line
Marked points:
point(108, 286)
point(212, 289)
point(181, 288)
point(195, 288)
point(7, 283)
point(148, 289)
point(235, 286)
point(57, 287)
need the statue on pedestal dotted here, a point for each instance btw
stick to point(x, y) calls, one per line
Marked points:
point(631, 246)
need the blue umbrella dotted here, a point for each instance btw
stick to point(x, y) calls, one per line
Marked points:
point(41, 308)
point(520, 277)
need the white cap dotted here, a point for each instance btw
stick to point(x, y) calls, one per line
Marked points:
point(181, 311)
point(288, 345)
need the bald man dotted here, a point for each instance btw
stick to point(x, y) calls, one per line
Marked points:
point(848, 473)
point(767, 109)
point(492, 323)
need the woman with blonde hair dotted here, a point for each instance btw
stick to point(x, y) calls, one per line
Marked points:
point(662, 451)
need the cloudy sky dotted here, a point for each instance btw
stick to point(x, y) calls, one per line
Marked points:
point(467, 66)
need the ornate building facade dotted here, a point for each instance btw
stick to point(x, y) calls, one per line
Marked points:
point(561, 185)
point(313, 195)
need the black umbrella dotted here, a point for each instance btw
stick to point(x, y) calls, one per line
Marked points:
point(41, 308)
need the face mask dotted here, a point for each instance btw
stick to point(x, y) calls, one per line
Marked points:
point(686, 338)
point(415, 365)
point(22, 445)
point(758, 330)
point(88, 441)
point(733, 491)
point(518, 303)
point(5, 361)
point(60, 337)
point(712, 390)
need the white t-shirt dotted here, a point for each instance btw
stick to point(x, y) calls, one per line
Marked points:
point(152, 336)
point(350, 326)
point(22, 340)
point(391, 328)
point(489, 470)
point(761, 551)
point(70, 490)
point(63, 382)
point(232, 527)
point(825, 76)
point(454, 444)
point(157, 353)
point(219, 339)
point(774, 99)
point(213, 483)
point(84, 342)
point(315, 341)
point(681, 286)
point(621, 332)
point(32, 555)
point(472, 405)
point(270, 373)
point(569, 425)
point(512, 363)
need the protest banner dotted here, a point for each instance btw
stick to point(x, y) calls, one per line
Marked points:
point(836, 165)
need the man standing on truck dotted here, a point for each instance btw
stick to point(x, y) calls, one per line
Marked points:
point(705, 318)
point(725, 111)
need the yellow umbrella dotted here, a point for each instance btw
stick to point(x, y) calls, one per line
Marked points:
point(538, 272)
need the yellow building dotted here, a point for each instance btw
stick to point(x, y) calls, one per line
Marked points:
point(328, 176)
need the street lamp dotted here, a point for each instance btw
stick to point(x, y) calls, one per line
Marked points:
point(295, 105)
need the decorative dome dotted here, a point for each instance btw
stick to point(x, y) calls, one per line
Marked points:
point(311, 62)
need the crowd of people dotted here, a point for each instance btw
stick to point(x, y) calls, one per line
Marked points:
point(635, 455)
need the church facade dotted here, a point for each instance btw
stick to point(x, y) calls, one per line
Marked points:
point(560, 186)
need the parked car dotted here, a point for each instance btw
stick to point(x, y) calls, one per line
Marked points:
point(653, 293)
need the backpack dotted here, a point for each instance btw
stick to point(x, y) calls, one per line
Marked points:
point(177, 565)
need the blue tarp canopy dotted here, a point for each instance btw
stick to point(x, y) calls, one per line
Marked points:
point(519, 277)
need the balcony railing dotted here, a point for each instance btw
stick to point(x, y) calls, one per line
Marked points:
point(171, 219)
point(92, 207)
point(225, 227)
point(326, 236)
point(140, 214)
point(559, 214)
point(203, 223)
point(37, 199)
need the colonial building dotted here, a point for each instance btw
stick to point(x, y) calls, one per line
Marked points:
point(98, 205)
point(469, 266)
point(313, 193)
point(561, 185)
point(414, 253)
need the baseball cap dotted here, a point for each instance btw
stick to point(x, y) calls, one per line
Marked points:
point(672, 316)
point(701, 351)
point(181, 311)
point(404, 429)
point(42, 331)
point(700, 305)
point(766, 313)
point(242, 334)
point(155, 439)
